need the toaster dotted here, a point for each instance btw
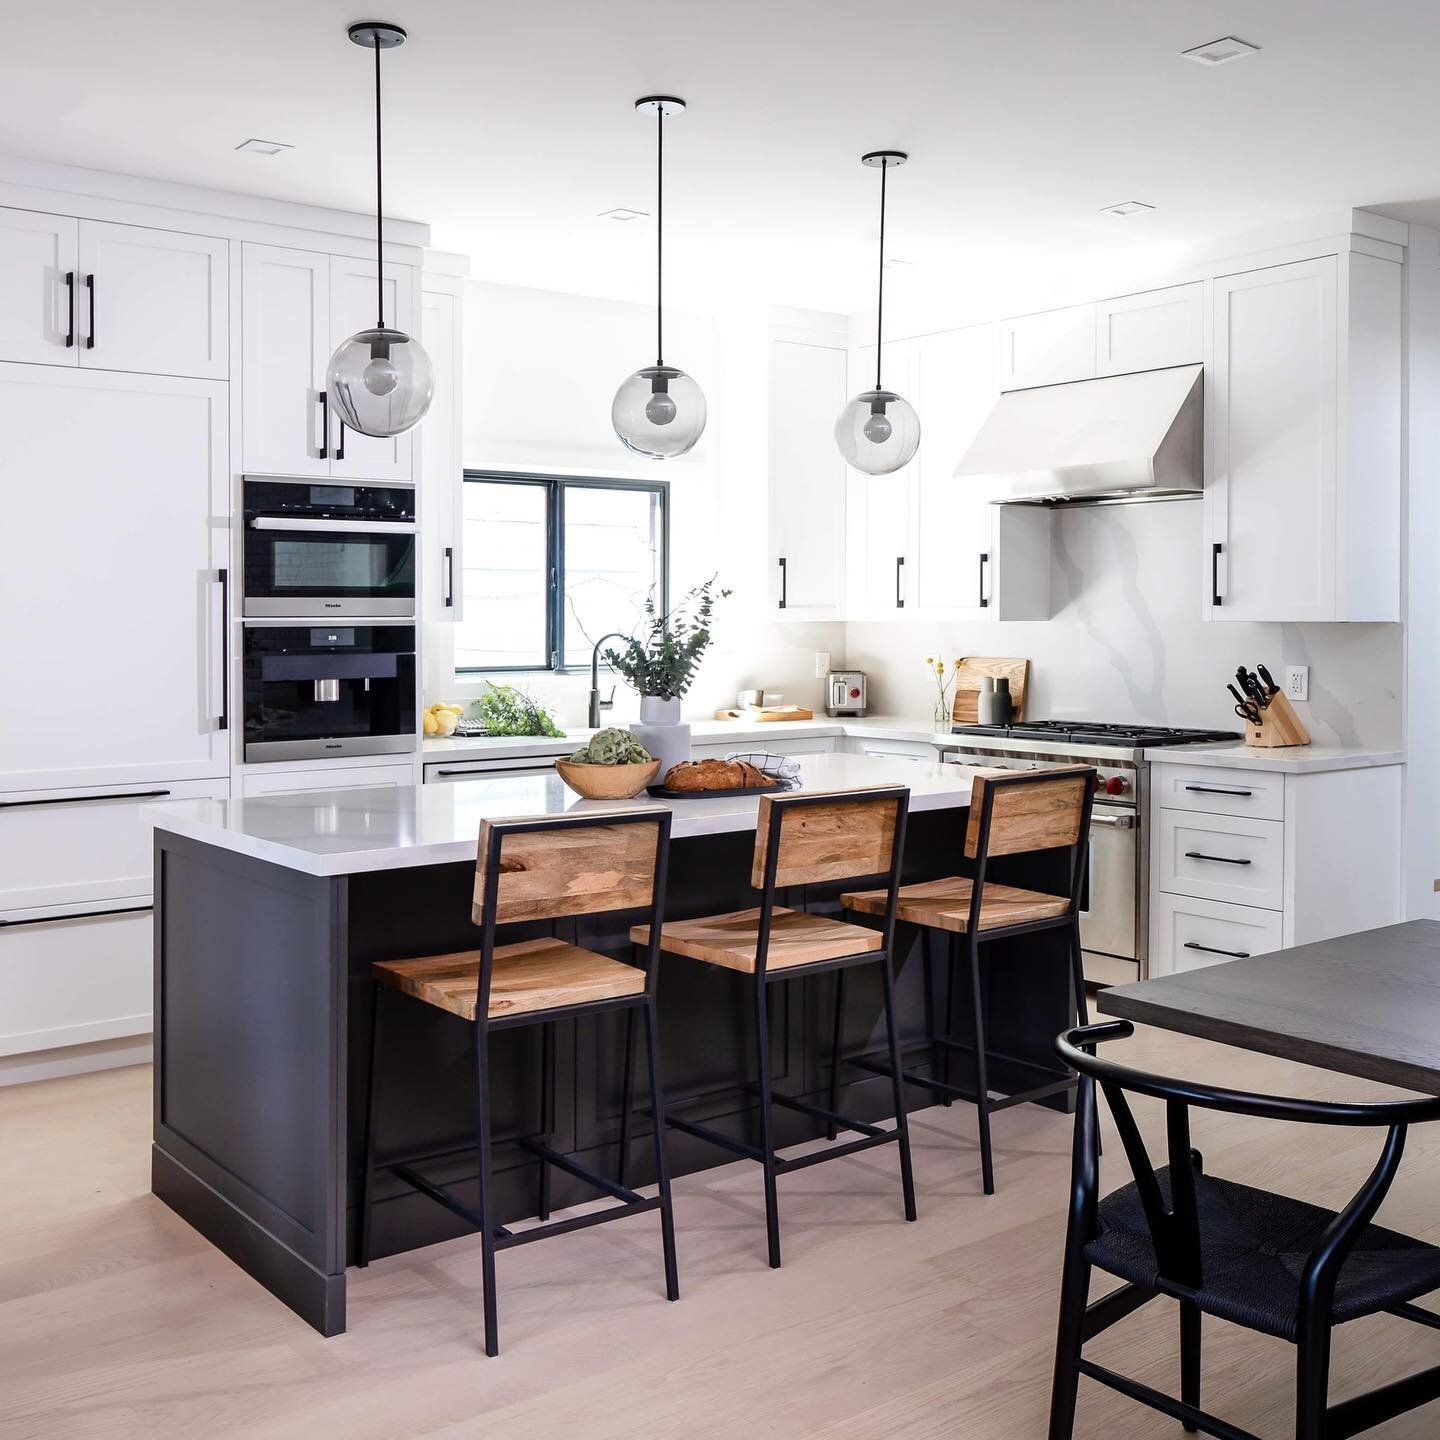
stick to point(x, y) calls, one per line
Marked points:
point(845, 692)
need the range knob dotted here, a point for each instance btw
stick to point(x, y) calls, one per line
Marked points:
point(1116, 785)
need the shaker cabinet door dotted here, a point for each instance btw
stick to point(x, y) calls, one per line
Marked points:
point(37, 301)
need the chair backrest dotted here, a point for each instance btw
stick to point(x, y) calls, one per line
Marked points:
point(1175, 1226)
point(814, 836)
point(1017, 811)
point(555, 866)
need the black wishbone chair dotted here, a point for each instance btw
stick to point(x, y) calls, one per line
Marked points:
point(1265, 1261)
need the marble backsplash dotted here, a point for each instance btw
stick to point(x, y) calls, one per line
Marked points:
point(1126, 641)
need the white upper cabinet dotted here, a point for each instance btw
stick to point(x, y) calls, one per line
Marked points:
point(296, 306)
point(1302, 503)
point(441, 468)
point(115, 487)
point(807, 479)
point(155, 302)
point(113, 297)
point(37, 287)
point(285, 329)
point(1151, 331)
point(878, 572)
point(1051, 348)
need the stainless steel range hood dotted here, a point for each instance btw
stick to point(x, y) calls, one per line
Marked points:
point(1118, 438)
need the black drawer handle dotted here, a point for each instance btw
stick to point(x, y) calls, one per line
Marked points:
point(1211, 950)
point(82, 915)
point(70, 288)
point(1216, 790)
point(1218, 859)
point(983, 597)
point(340, 448)
point(899, 582)
point(90, 286)
point(784, 586)
point(1215, 574)
point(449, 576)
point(86, 799)
point(223, 723)
point(324, 399)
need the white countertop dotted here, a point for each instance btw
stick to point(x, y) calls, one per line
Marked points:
point(346, 832)
point(459, 749)
point(1286, 760)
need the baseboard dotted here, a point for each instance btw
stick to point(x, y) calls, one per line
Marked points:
point(75, 1060)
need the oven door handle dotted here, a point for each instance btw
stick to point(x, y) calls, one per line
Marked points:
point(1113, 822)
point(341, 527)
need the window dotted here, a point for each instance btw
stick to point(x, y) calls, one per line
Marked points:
point(551, 565)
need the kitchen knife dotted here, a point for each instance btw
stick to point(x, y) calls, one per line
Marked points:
point(1254, 691)
point(1244, 706)
point(1268, 679)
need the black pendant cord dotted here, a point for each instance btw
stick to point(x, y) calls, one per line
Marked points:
point(880, 297)
point(659, 234)
point(379, 201)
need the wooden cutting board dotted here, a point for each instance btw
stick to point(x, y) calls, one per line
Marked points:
point(965, 707)
point(764, 714)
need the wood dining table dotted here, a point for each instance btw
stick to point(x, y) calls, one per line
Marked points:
point(1366, 1004)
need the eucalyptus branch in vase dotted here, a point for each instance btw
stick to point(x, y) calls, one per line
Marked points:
point(661, 661)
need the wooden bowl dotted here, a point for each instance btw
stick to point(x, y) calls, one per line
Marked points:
point(607, 782)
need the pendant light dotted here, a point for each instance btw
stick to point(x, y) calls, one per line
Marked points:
point(380, 380)
point(879, 431)
point(659, 411)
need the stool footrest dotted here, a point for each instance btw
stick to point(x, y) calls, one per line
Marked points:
point(835, 1152)
point(961, 1092)
point(819, 1112)
point(638, 1206)
point(442, 1196)
point(704, 1132)
point(563, 1162)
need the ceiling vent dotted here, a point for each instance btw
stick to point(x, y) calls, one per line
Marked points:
point(1128, 207)
point(263, 147)
point(622, 214)
point(1221, 51)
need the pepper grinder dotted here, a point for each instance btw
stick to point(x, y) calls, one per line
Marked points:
point(1004, 704)
point(985, 705)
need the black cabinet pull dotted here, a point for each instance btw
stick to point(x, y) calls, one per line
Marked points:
point(70, 329)
point(82, 915)
point(340, 448)
point(449, 576)
point(324, 425)
point(1215, 574)
point(784, 584)
point(86, 799)
point(1217, 790)
point(1216, 859)
point(899, 582)
point(980, 591)
point(90, 286)
point(224, 721)
point(1211, 950)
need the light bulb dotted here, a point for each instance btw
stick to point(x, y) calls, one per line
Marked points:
point(660, 408)
point(877, 429)
point(380, 376)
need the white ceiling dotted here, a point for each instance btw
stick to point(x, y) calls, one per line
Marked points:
point(509, 126)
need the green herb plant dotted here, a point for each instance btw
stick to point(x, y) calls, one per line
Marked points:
point(504, 710)
point(662, 660)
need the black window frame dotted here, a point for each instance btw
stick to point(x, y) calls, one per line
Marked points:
point(555, 487)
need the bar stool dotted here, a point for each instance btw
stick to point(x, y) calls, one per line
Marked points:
point(1011, 813)
point(805, 838)
point(569, 866)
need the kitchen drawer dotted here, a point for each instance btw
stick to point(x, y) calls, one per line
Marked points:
point(72, 981)
point(489, 769)
point(1259, 794)
point(71, 847)
point(349, 778)
point(1221, 857)
point(1186, 933)
point(776, 744)
point(895, 750)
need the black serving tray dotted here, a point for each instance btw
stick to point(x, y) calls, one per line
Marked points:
point(661, 792)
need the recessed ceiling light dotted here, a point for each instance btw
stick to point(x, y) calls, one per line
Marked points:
point(263, 147)
point(892, 261)
point(622, 214)
point(1218, 52)
point(1127, 207)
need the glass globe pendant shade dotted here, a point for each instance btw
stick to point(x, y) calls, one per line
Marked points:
point(878, 432)
point(658, 412)
point(381, 381)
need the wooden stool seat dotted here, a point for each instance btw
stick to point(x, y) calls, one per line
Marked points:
point(732, 940)
point(529, 975)
point(945, 904)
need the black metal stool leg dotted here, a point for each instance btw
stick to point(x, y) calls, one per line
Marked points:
point(982, 1084)
point(939, 1056)
point(897, 1089)
point(487, 1197)
point(837, 1036)
point(627, 1100)
point(767, 1142)
point(662, 1173)
point(367, 1195)
point(1077, 970)
point(1190, 1355)
point(952, 964)
point(547, 1114)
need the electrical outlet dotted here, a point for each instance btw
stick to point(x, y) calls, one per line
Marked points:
point(1297, 682)
point(822, 664)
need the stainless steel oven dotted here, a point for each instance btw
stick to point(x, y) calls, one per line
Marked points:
point(313, 692)
point(325, 550)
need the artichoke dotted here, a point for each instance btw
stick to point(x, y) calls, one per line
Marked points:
point(612, 746)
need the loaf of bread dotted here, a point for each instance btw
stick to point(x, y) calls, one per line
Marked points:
point(714, 775)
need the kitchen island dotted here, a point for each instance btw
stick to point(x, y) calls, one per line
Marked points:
point(269, 913)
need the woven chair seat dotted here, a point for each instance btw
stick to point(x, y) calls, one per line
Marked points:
point(1253, 1248)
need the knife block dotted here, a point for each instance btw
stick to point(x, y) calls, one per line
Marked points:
point(1279, 725)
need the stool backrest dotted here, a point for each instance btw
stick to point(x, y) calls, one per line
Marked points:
point(554, 866)
point(827, 835)
point(1023, 810)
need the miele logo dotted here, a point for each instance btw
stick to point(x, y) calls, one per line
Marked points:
point(332, 747)
point(332, 604)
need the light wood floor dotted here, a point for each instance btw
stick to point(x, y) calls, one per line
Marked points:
point(116, 1320)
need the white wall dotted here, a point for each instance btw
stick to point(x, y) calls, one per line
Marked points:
point(1126, 641)
point(541, 369)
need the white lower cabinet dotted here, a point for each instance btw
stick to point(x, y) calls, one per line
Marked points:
point(74, 980)
point(276, 782)
point(1222, 857)
point(776, 745)
point(1187, 933)
point(893, 750)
